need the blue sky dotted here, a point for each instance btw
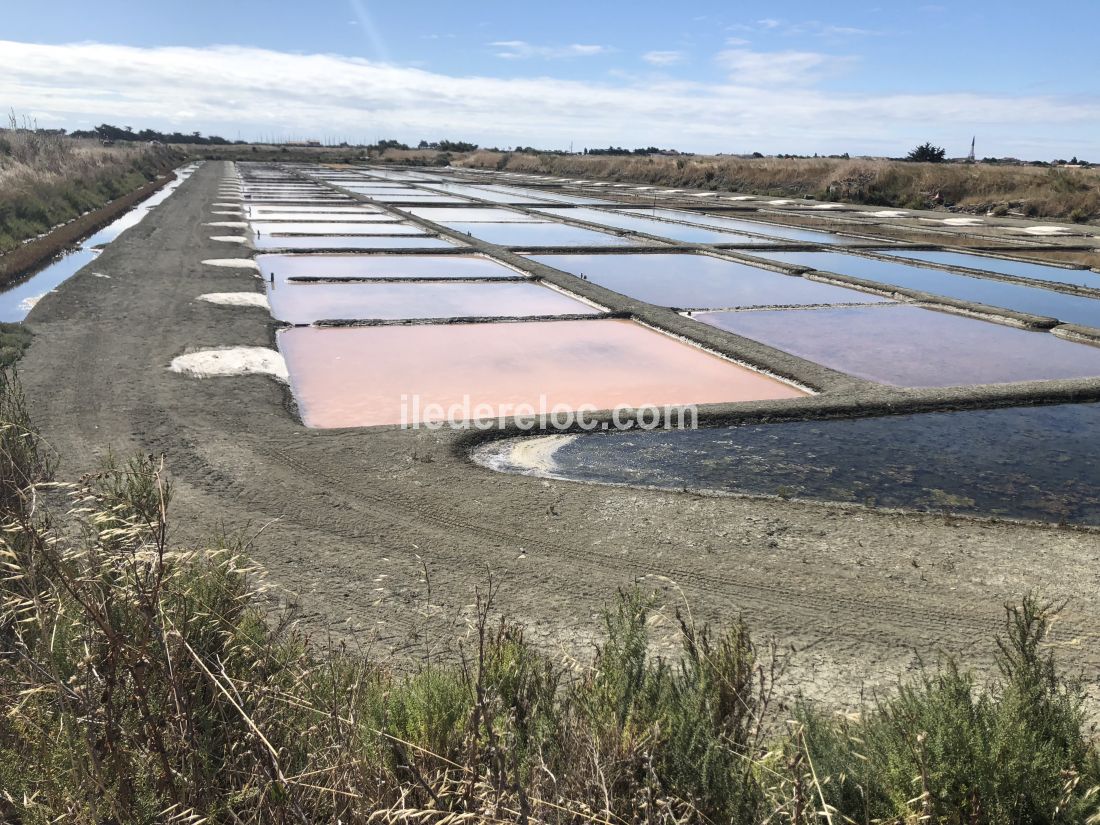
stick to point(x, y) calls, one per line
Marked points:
point(867, 78)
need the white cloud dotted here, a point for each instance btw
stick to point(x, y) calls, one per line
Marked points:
point(751, 68)
point(811, 28)
point(518, 49)
point(663, 58)
point(258, 92)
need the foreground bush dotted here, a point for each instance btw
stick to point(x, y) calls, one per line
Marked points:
point(141, 682)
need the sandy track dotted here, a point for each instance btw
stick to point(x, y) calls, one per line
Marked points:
point(352, 515)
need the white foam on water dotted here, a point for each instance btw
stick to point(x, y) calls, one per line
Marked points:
point(887, 213)
point(231, 361)
point(236, 299)
point(229, 238)
point(27, 304)
point(962, 221)
point(827, 206)
point(533, 456)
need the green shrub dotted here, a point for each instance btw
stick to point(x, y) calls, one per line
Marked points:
point(946, 747)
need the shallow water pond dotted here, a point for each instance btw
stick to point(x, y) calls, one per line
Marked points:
point(785, 233)
point(664, 229)
point(689, 281)
point(340, 380)
point(298, 303)
point(909, 346)
point(538, 234)
point(281, 267)
point(387, 227)
point(1022, 269)
point(420, 241)
point(1071, 309)
point(487, 194)
point(471, 214)
point(1039, 463)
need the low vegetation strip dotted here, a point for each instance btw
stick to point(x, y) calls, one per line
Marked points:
point(51, 182)
point(141, 681)
point(1048, 192)
point(32, 254)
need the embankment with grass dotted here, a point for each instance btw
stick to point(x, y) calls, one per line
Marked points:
point(1042, 192)
point(144, 681)
point(53, 182)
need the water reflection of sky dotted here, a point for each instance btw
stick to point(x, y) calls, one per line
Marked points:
point(20, 298)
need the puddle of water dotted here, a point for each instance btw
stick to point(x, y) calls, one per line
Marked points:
point(675, 231)
point(1074, 309)
point(390, 227)
point(380, 266)
point(339, 380)
point(1022, 269)
point(19, 298)
point(538, 234)
point(908, 346)
point(417, 197)
point(308, 303)
point(471, 214)
point(770, 229)
point(1024, 462)
point(696, 281)
point(352, 242)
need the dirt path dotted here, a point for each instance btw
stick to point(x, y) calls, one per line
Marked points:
point(351, 518)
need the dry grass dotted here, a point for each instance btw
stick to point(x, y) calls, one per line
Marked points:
point(46, 180)
point(1066, 194)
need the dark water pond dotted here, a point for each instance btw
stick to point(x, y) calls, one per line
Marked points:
point(1038, 463)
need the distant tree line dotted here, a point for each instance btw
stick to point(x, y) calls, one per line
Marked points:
point(448, 145)
point(618, 150)
point(118, 134)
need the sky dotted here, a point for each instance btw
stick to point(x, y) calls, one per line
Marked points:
point(773, 77)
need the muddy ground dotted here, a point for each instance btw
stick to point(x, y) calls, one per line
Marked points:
point(345, 522)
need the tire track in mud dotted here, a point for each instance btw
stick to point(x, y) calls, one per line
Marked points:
point(768, 597)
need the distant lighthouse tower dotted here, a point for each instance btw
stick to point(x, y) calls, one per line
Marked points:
point(970, 157)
